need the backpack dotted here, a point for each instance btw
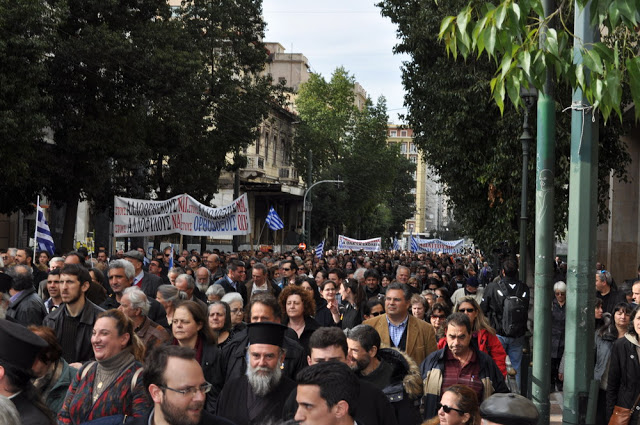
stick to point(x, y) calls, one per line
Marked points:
point(514, 312)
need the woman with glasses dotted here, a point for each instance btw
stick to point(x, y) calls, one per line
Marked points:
point(558, 314)
point(191, 329)
point(437, 317)
point(219, 314)
point(458, 406)
point(236, 306)
point(482, 331)
point(112, 385)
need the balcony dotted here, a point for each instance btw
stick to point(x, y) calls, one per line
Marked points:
point(288, 173)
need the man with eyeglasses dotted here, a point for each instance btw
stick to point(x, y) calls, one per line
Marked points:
point(288, 269)
point(260, 394)
point(175, 382)
point(216, 270)
point(604, 290)
point(459, 362)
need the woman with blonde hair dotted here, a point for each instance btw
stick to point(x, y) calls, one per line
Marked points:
point(481, 330)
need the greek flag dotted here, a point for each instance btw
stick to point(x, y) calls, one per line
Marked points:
point(320, 249)
point(43, 234)
point(274, 221)
point(171, 258)
point(414, 244)
point(396, 245)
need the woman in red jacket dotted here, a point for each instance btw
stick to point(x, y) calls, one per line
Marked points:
point(483, 332)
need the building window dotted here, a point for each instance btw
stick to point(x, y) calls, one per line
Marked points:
point(403, 148)
point(275, 149)
point(266, 145)
point(393, 133)
point(414, 159)
point(413, 148)
point(403, 133)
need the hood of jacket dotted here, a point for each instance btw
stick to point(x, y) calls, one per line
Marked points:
point(405, 370)
point(632, 339)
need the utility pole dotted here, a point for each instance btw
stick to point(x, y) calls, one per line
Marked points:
point(307, 232)
point(543, 274)
point(578, 375)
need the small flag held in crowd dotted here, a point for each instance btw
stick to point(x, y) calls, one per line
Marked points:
point(274, 221)
point(320, 249)
point(171, 258)
point(396, 244)
point(43, 234)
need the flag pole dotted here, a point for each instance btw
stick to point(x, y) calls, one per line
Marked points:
point(262, 230)
point(35, 231)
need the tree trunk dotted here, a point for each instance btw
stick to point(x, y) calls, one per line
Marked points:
point(69, 228)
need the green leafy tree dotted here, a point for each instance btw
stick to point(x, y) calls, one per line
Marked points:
point(471, 144)
point(26, 31)
point(375, 198)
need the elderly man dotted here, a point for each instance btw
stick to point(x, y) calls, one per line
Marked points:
point(121, 275)
point(146, 281)
point(216, 270)
point(135, 305)
point(471, 289)
point(397, 328)
point(187, 284)
point(263, 308)
point(459, 362)
point(203, 279)
point(260, 394)
point(178, 398)
point(26, 307)
point(609, 296)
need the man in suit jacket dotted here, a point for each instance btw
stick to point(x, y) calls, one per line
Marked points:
point(397, 328)
point(234, 280)
point(146, 281)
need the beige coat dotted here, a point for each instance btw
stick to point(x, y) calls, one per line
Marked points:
point(421, 338)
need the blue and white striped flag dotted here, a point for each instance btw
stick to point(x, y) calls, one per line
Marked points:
point(43, 234)
point(414, 244)
point(396, 244)
point(320, 249)
point(274, 221)
point(171, 258)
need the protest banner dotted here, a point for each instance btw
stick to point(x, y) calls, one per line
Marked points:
point(438, 245)
point(355, 244)
point(181, 214)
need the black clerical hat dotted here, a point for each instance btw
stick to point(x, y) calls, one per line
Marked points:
point(266, 333)
point(18, 345)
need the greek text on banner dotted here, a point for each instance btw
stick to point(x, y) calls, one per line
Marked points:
point(180, 214)
point(355, 244)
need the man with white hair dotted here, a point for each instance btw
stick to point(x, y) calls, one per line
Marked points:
point(135, 305)
point(187, 284)
point(203, 277)
point(260, 394)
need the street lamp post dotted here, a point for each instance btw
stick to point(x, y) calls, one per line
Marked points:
point(529, 97)
point(304, 205)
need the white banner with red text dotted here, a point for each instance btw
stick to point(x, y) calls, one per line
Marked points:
point(357, 244)
point(180, 214)
point(438, 245)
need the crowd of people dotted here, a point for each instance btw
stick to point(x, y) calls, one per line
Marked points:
point(260, 337)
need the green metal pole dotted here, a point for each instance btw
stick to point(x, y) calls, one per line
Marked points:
point(578, 371)
point(543, 270)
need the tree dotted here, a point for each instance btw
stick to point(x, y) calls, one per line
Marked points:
point(375, 198)
point(471, 144)
point(26, 31)
point(511, 32)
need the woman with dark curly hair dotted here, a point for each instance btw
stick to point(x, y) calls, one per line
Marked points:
point(298, 306)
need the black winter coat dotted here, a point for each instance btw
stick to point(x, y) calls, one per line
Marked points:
point(28, 308)
point(623, 384)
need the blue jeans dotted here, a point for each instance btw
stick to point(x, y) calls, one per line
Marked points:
point(513, 347)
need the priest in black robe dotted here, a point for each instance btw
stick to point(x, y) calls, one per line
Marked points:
point(260, 394)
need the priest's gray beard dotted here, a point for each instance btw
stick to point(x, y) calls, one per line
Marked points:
point(262, 379)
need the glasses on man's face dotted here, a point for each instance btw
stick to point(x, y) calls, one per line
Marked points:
point(191, 391)
point(236, 311)
point(194, 260)
point(467, 310)
point(286, 270)
point(448, 409)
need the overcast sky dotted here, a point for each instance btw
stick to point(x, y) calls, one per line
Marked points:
point(349, 33)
